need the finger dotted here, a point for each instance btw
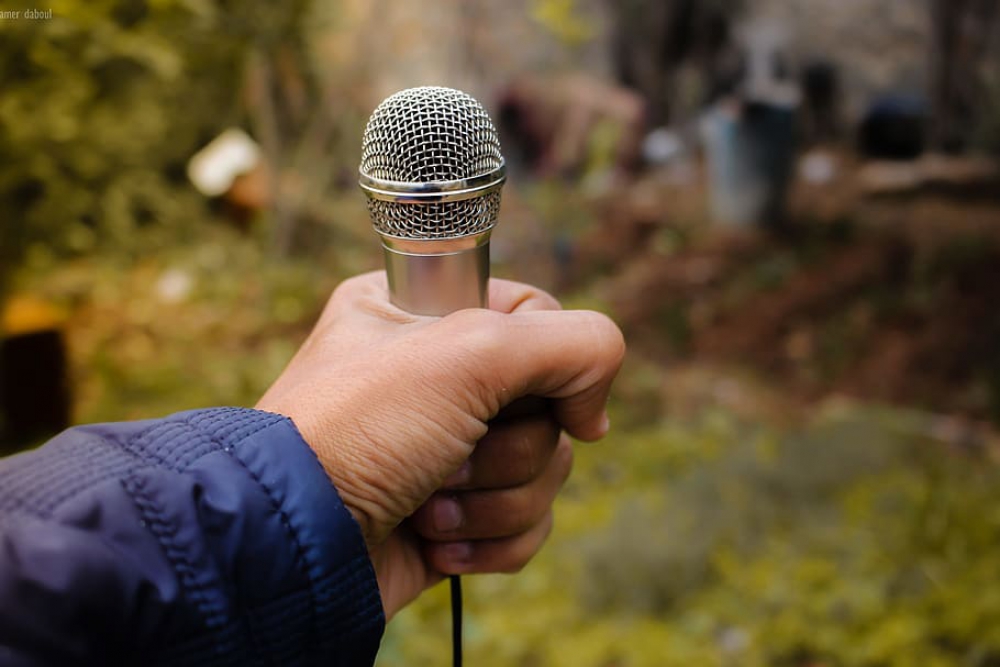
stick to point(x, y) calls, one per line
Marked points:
point(372, 290)
point(363, 303)
point(495, 513)
point(508, 555)
point(512, 454)
point(371, 285)
point(569, 356)
point(507, 296)
point(524, 407)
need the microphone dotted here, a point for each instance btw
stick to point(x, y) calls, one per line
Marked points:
point(432, 170)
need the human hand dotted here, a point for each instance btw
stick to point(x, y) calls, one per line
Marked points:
point(394, 405)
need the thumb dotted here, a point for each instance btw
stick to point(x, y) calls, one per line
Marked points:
point(570, 357)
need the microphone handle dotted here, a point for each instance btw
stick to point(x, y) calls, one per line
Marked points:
point(437, 283)
point(436, 278)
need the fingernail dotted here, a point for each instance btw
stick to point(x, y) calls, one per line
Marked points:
point(458, 553)
point(460, 477)
point(447, 515)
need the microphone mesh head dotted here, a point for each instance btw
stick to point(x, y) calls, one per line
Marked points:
point(428, 134)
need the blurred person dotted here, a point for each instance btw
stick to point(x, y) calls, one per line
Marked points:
point(390, 452)
point(821, 95)
point(555, 123)
point(677, 54)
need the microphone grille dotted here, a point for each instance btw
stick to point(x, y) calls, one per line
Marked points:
point(428, 134)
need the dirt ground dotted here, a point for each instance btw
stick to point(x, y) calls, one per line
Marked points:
point(873, 291)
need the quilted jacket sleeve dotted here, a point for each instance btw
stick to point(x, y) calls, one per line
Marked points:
point(211, 537)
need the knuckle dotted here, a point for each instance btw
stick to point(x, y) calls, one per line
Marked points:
point(521, 296)
point(607, 347)
point(524, 514)
point(353, 290)
point(524, 464)
point(546, 301)
point(479, 331)
point(525, 449)
point(609, 338)
point(476, 340)
point(516, 555)
point(563, 458)
point(524, 547)
point(516, 565)
point(531, 450)
point(350, 287)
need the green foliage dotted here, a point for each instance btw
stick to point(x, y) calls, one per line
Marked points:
point(209, 322)
point(104, 103)
point(565, 20)
point(856, 540)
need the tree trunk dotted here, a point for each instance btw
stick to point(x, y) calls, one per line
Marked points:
point(962, 32)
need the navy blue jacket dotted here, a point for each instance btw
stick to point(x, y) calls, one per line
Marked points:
point(211, 537)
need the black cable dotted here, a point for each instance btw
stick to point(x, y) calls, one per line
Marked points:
point(456, 620)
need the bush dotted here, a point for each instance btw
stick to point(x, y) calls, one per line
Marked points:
point(104, 103)
point(857, 540)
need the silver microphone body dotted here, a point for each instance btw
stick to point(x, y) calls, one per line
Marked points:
point(438, 277)
point(432, 171)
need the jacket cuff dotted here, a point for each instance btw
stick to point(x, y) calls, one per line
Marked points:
point(343, 591)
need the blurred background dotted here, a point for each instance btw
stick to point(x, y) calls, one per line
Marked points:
point(791, 209)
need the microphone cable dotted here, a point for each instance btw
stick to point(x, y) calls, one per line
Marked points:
point(456, 620)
